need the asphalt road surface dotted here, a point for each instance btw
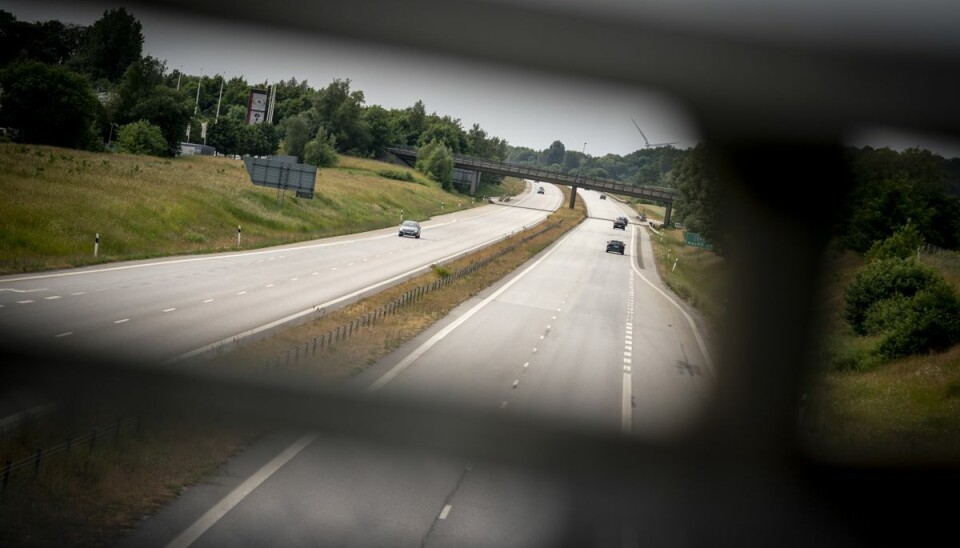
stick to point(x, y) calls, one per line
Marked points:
point(169, 309)
point(577, 335)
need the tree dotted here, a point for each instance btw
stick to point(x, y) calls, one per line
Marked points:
point(381, 130)
point(339, 111)
point(701, 201)
point(142, 95)
point(554, 155)
point(321, 151)
point(48, 104)
point(141, 137)
point(436, 161)
point(111, 44)
point(295, 136)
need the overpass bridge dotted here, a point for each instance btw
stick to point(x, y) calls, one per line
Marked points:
point(473, 166)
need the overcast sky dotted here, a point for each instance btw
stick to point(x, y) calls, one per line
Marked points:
point(526, 109)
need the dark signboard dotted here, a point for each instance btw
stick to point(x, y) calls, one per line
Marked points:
point(283, 174)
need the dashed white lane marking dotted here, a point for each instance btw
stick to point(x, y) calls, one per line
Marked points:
point(627, 360)
point(626, 368)
point(125, 320)
point(423, 348)
point(28, 301)
point(541, 337)
point(334, 268)
point(554, 317)
point(503, 404)
point(526, 365)
point(445, 512)
point(516, 383)
point(52, 297)
point(294, 279)
point(213, 515)
point(79, 293)
point(350, 264)
point(169, 309)
point(627, 354)
point(269, 285)
point(242, 293)
point(315, 273)
point(365, 260)
point(208, 301)
point(67, 334)
point(534, 350)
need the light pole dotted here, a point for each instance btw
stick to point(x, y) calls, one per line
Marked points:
point(573, 191)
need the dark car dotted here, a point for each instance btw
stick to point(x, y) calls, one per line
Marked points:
point(621, 223)
point(616, 246)
point(540, 190)
point(410, 228)
point(603, 196)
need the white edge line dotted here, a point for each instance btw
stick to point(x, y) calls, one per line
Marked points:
point(423, 348)
point(445, 512)
point(213, 515)
point(693, 327)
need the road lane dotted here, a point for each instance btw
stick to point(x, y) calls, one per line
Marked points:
point(150, 311)
point(553, 342)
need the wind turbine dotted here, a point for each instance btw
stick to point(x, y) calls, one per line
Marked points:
point(648, 143)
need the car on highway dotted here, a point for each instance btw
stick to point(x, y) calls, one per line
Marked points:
point(616, 246)
point(540, 190)
point(603, 196)
point(410, 228)
point(621, 223)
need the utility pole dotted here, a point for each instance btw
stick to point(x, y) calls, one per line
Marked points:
point(196, 104)
point(219, 97)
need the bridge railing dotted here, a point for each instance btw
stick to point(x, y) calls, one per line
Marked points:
point(503, 168)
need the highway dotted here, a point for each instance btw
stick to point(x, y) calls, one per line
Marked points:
point(577, 335)
point(170, 309)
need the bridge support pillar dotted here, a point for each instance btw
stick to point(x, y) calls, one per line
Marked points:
point(666, 214)
point(573, 196)
point(474, 183)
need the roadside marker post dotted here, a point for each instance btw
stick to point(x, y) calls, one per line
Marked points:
point(96, 245)
point(675, 264)
point(238, 235)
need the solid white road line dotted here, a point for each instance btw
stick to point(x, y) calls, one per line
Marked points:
point(213, 515)
point(626, 405)
point(693, 327)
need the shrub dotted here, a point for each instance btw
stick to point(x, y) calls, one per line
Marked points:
point(435, 160)
point(881, 280)
point(321, 151)
point(396, 175)
point(901, 245)
point(142, 138)
point(928, 321)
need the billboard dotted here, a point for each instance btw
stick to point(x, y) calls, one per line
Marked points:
point(281, 173)
point(257, 108)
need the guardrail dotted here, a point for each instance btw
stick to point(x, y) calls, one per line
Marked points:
point(342, 333)
point(654, 193)
point(88, 440)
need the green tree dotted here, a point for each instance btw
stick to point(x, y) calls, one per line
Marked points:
point(142, 95)
point(554, 155)
point(880, 281)
point(339, 110)
point(321, 151)
point(436, 161)
point(111, 44)
point(48, 104)
point(142, 137)
point(901, 245)
point(382, 132)
point(702, 202)
point(295, 136)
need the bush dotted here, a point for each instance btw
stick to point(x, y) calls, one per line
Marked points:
point(928, 321)
point(901, 245)
point(881, 280)
point(396, 175)
point(142, 138)
point(321, 151)
point(436, 161)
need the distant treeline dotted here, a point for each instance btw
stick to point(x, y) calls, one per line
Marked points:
point(90, 87)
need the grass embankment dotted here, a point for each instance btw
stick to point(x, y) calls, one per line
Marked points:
point(94, 497)
point(55, 201)
point(866, 409)
point(861, 408)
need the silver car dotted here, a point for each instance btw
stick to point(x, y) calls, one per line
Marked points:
point(410, 228)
